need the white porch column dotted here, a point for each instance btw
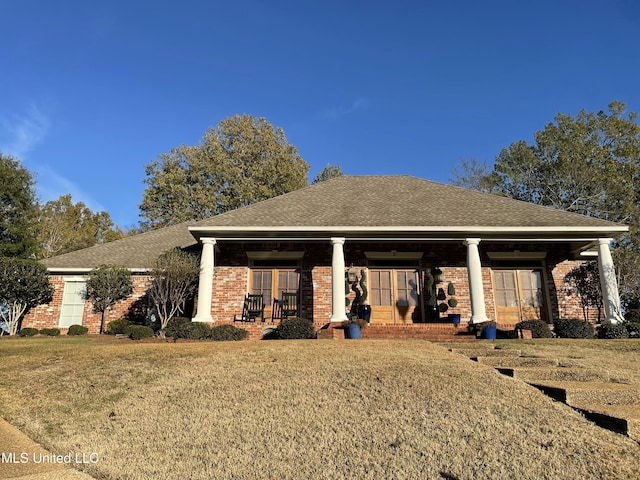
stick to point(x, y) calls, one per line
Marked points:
point(476, 289)
point(338, 309)
point(205, 284)
point(608, 283)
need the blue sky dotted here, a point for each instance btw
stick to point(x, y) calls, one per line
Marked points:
point(92, 91)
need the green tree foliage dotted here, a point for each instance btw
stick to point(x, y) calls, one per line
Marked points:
point(18, 210)
point(66, 226)
point(107, 285)
point(173, 281)
point(242, 161)
point(327, 173)
point(23, 284)
point(588, 164)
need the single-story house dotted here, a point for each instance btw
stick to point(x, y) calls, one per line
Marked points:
point(506, 259)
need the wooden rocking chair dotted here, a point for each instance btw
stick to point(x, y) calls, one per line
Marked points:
point(252, 308)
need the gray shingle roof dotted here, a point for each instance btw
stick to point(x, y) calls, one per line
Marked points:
point(348, 201)
point(138, 251)
point(375, 201)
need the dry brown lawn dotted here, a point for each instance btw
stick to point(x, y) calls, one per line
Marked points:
point(302, 409)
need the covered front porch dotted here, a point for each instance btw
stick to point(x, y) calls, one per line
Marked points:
point(410, 281)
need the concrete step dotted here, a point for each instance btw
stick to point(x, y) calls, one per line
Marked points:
point(590, 393)
point(518, 361)
point(623, 419)
point(555, 374)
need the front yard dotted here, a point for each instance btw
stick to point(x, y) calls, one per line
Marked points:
point(305, 409)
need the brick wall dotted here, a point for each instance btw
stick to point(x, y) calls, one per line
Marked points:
point(47, 316)
point(231, 282)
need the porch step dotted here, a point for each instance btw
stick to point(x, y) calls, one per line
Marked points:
point(421, 331)
point(518, 361)
point(590, 393)
point(531, 374)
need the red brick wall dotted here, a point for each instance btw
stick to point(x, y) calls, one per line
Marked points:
point(231, 282)
point(48, 316)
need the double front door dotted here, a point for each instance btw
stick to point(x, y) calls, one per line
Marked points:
point(394, 295)
point(519, 295)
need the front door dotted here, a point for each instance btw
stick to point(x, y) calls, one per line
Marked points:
point(393, 295)
point(519, 295)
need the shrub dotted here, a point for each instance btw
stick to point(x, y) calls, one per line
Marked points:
point(296, 328)
point(77, 330)
point(539, 328)
point(574, 328)
point(197, 331)
point(137, 332)
point(632, 316)
point(28, 332)
point(633, 328)
point(612, 330)
point(118, 327)
point(178, 327)
point(51, 332)
point(227, 332)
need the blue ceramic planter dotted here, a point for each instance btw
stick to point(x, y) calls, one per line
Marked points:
point(353, 330)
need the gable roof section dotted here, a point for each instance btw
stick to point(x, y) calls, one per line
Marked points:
point(137, 252)
point(386, 205)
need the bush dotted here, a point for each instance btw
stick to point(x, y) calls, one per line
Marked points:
point(178, 327)
point(51, 332)
point(295, 329)
point(118, 327)
point(197, 331)
point(227, 332)
point(28, 332)
point(539, 328)
point(633, 328)
point(632, 316)
point(574, 328)
point(612, 330)
point(137, 332)
point(77, 330)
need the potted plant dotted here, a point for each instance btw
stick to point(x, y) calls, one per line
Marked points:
point(453, 303)
point(487, 330)
point(364, 309)
point(353, 328)
point(432, 300)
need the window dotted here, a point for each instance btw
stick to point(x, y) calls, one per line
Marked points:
point(272, 282)
point(72, 303)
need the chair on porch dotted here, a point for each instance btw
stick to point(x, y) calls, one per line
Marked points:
point(285, 308)
point(252, 308)
point(289, 305)
point(276, 310)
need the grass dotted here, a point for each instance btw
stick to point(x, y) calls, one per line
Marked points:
point(620, 358)
point(303, 409)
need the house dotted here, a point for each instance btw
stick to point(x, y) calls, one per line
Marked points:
point(507, 259)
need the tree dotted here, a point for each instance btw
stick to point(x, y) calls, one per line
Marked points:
point(173, 281)
point(65, 227)
point(23, 284)
point(18, 208)
point(107, 285)
point(588, 164)
point(474, 175)
point(584, 281)
point(242, 161)
point(327, 173)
